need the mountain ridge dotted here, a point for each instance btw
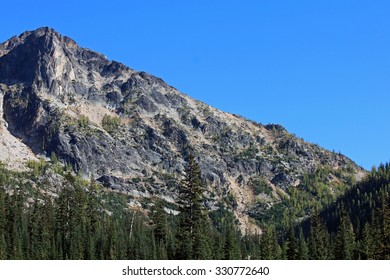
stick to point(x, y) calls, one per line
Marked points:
point(132, 132)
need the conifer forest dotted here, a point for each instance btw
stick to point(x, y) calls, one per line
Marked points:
point(83, 221)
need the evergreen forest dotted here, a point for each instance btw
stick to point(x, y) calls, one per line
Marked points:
point(83, 221)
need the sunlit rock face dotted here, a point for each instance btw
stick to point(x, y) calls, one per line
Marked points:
point(132, 132)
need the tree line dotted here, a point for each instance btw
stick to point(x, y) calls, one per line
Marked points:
point(74, 224)
point(357, 225)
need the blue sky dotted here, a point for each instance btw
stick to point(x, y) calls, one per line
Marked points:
point(319, 68)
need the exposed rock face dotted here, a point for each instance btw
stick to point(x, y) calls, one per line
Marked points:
point(132, 131)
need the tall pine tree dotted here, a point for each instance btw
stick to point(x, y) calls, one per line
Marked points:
point(318, 239)
point(345, 238)
point(194, 226)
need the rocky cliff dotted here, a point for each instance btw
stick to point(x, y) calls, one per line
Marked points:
point(132, 132)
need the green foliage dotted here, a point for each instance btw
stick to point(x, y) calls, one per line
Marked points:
point(318, 239)
point(136, 180)
point(303, 250)
point(194, 225)
point(231, 249)
point(356, 226)
point(260, 185)
point(83, 121)
point(85, 222)
point(381, 228)
point(248, 153)
point(365, 245)
point(38, 167)
point(230, 200)
point(269, 246)
point(317, 189)
point(111, 124)
point(72, 226)
point(160, 226)
point(292, 246)
point(345, 239)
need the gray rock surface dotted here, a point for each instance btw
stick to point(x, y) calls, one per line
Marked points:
point(57, 94)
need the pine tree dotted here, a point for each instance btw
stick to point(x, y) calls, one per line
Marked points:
point(171, 239)
point(62, 222)
point(48, 229)
point(159, 219)
point(41, 230)
point(92, 222)
point(183, 249)
point(381, 229)
point(385, 211)
point(265, 245)
point(345, 239)
point(217, 245)
point(160, 229)
point(231, 247)
point(111, 252)
point(318, 239)
point(192, 234)
point(269, 246)
point(35, 231)
point(366, 244)
point(3, 225)
point(201, 247)
point(247, 245)
point(16, 224)
point(292, 247)
point(283, 246)
point(303, 250)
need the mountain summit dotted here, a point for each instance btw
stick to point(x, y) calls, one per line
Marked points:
point(133, 132)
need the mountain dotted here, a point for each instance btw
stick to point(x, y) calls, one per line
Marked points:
point(132, 132)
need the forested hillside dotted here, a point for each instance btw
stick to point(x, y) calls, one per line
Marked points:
point(357, 226)
point(85, 221)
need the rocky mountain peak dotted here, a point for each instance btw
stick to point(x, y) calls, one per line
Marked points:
point(49, 60)
point(132, 132)
point(42, 41)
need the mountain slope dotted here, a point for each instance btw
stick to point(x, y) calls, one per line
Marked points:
point(132, 132)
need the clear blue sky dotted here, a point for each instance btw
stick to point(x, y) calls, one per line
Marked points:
point(319, 68)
